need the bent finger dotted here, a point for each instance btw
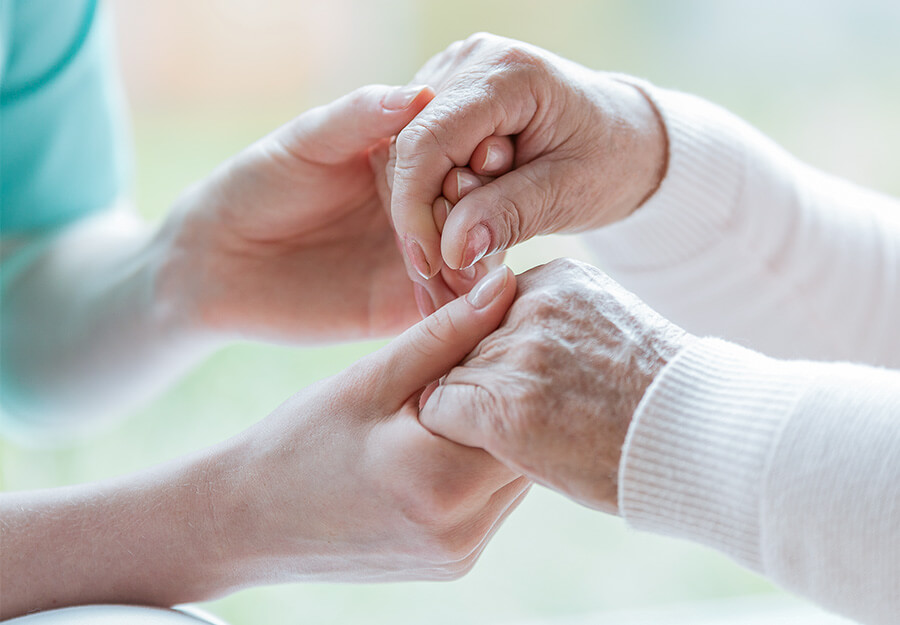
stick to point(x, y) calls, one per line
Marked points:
point(493, 157)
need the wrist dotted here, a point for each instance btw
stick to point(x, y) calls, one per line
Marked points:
point(182, 289)
point(241, 514)
point(646, 145)
point(661, 348)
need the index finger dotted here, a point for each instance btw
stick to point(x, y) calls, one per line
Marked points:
point(440, 138)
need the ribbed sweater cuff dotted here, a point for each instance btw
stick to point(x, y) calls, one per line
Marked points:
point(698, 195)
point(696, 454)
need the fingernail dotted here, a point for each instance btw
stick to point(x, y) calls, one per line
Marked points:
point(423, 300)
point(493, 160)
point(440, 211)
point(488, 289)
point(477, 243)
point(402, 97)
point(417, 258)
point(465, 182)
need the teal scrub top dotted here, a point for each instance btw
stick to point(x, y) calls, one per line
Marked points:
point(64, 146)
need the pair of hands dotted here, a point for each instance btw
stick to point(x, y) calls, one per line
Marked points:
point(291, 241)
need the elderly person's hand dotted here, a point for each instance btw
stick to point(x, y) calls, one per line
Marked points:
point(589, 149)
point(552, 392)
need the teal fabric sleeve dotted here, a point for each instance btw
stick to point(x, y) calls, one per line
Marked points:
point(64, 143)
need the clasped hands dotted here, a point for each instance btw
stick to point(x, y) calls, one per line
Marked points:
point(326, 230)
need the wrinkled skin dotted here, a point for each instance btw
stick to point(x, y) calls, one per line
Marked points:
point(552, 392)
point(589, 149)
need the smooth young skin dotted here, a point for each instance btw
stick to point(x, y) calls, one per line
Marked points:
point(589, 149)
point(288, 241)
point(340, 483)
point(552, 392)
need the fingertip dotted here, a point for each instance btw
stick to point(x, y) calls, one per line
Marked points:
point(461, 181)
point(408, 99)
point(477, 244)
point(423, 300)
point(494, 156)
point(440, 210)
point(496, 287)
point(426, 394)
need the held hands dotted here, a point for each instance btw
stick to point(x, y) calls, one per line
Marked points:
point(552, 392)
point(290, 240)
point(343, 483)
point(588, 150)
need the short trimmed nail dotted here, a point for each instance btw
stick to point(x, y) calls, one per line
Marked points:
point(493, 160)
point(440, 211)
point(489, 288)
point(423, 300)
point(465, 182)
point(477, 243)
point(417, 258)
point(402, 97)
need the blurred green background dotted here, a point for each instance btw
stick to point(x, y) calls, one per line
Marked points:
point(206, 78)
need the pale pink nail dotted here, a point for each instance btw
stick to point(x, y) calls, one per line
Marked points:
point(465, 182)
point(489, 288)
point(423, 300)
point(440, 212)
point(401, 98)
point(493, 159)
point(417, 258)
point(478, 240)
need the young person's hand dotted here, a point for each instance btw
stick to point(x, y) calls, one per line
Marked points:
point(340, 483)
point(290, 241)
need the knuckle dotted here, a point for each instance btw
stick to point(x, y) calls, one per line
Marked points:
point(491, 409)
point(519, 57)
point(416, 138)
point(575, 267)
point(477, 40)
point(510, 221)
point(542, 304)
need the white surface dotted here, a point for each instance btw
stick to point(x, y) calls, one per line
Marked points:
point(117, 615)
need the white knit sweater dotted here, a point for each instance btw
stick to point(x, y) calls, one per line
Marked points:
point(791, 467)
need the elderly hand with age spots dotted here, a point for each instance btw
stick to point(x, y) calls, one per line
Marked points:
point(551, 393)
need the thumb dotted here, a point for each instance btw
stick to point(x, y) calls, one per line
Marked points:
point(429, 349)
point(457, 413)
point(492, 218)
point(335, 132)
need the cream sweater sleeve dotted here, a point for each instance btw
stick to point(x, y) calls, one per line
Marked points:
point(790, 467)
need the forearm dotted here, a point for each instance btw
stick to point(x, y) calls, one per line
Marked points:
point(148, 538)
point(743, 241)
point(89, 328)
point(789, 467)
